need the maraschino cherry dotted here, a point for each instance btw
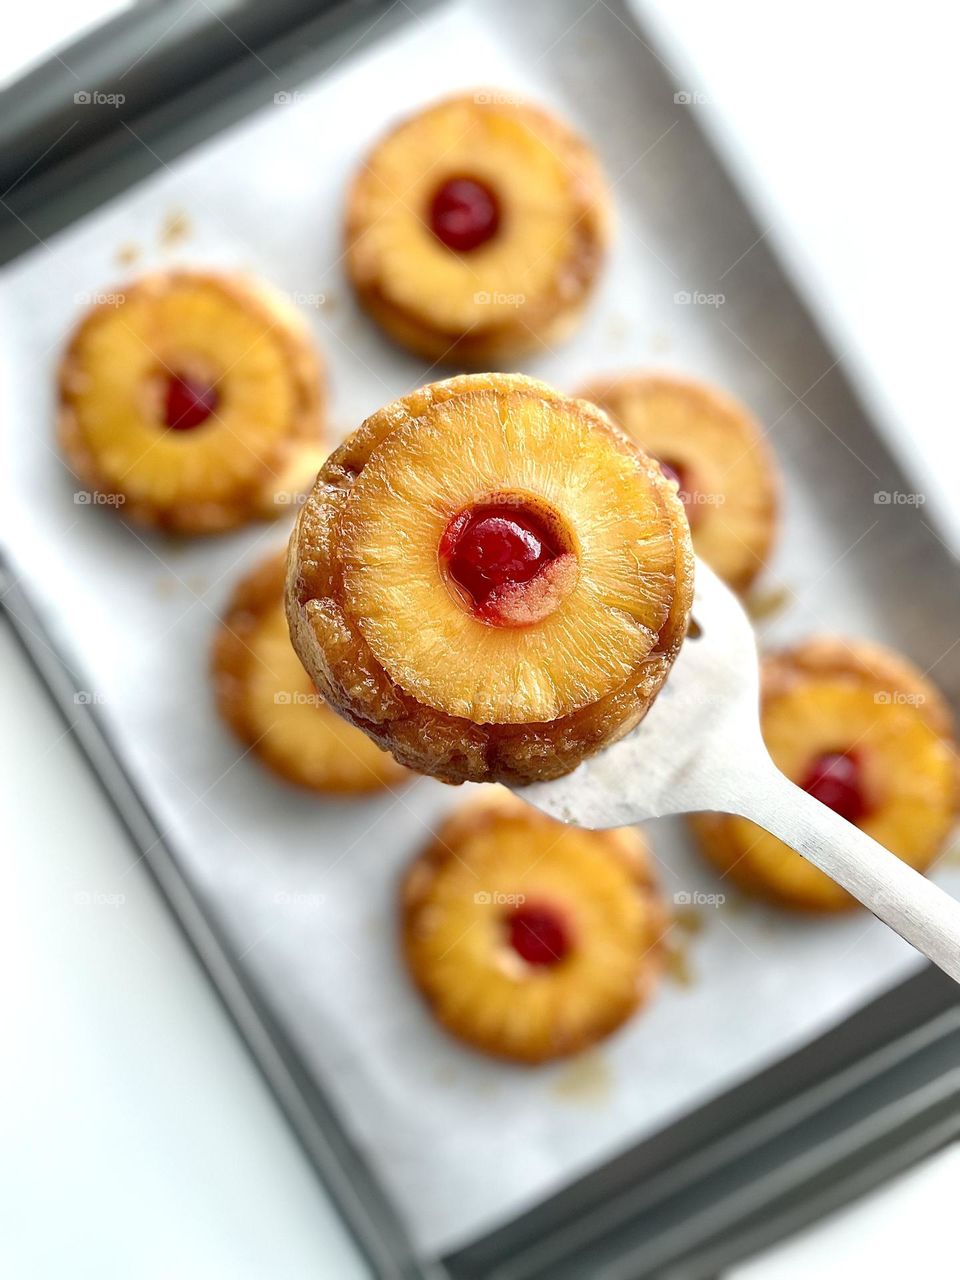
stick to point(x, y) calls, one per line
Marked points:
point(834, 779)
point(677, 472)
point(490, 546)
point(464, 214)
point(538, 933)
point(188, 402)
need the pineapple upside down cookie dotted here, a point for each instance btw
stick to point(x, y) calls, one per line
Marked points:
point(490, 580)
point(529, 939)
point(268, 700)
point(195, 399)
point(861, 730)
point(715, 452)
point(476, 229)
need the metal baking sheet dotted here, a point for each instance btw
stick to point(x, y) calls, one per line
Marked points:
point(848, 560)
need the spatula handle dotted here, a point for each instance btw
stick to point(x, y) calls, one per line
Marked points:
point(911, 905)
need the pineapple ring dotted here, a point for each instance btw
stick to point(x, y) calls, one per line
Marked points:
point(718, 449)
point(259, 446)
point(268, 700)
point(397, 514)
point(496, 857)
point(832, 696)
point(524, 287)
point(381, 634)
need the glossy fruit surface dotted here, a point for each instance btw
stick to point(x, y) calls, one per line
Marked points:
point(476, 230)
point(188, 402)
point(834, 779)
point(529, 939)
point(464, 214)
point(539, 933)
point(197, 399)
point(271, 704)
point(492, 551)
point(717, 454)
point(490, 579)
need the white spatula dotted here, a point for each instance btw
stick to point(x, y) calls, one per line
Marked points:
point(700, 748)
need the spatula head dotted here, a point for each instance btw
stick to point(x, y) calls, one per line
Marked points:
point(676, 760)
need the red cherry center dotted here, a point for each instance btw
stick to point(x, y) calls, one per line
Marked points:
point(491, 546)
point(674, 471)
point(834, 779)
point(680, 474)
point(188, 402)
point(538, 933)
point(464, 214)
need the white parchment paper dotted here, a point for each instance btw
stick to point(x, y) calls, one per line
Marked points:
point(305, 887)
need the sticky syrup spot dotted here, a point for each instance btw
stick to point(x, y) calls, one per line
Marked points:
point(127, 254)
point(677, 963)
point(587, 1079)
point(765, 605)
point(174, 228)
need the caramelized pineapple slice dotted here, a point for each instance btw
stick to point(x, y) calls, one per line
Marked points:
point(861, 730)
point(512, 447)
point(529, 939)
point(196, 401)
point(476, 228)
point(490, 579)
point(715, 452)
point(269, 701)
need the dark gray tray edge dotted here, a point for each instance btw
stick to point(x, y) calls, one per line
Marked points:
point(712, 1187)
